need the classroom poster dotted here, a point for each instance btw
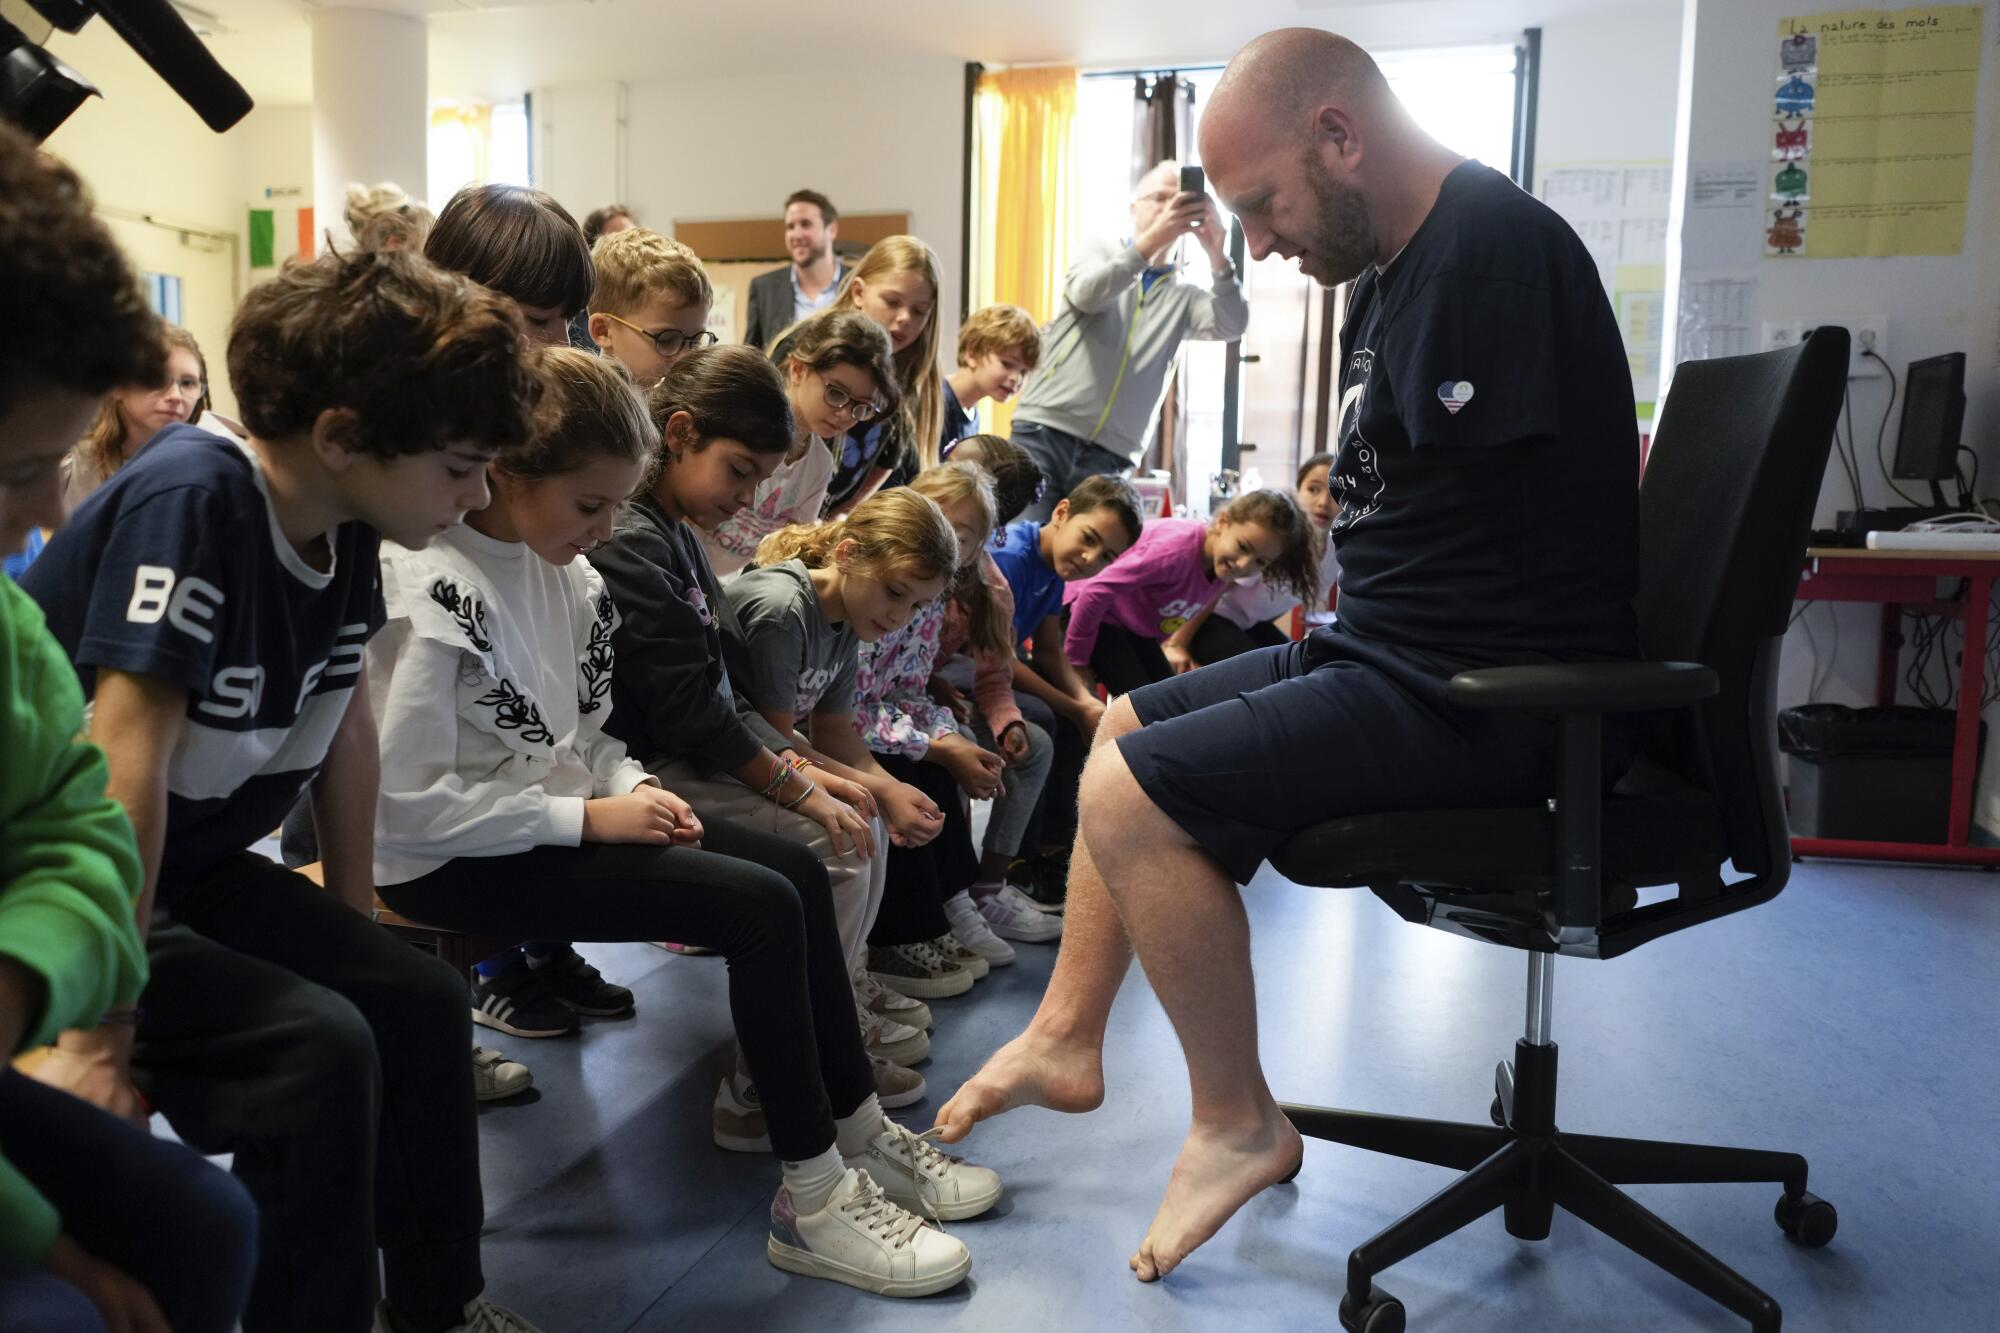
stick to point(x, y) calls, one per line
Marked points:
point(1872, 131)
point(1619, 211)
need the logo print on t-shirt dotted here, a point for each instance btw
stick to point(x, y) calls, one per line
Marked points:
point(1357, 477)
point(1455, 394)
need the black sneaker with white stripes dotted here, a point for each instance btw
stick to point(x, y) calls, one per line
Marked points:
point(581, 986)
point(516, 1001)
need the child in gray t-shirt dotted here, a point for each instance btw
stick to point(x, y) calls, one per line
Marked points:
point(785, 654)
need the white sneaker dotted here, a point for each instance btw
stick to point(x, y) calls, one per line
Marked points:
point(865, 1240)
point(480, 1316)
point(495, 1077)
point(890, 1040)
point(1013, 915)
point(972, 932)
point(924, 1180)
point(946, 946)
point(892, 1004)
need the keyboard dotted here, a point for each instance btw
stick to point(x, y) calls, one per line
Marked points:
point(1934, 541)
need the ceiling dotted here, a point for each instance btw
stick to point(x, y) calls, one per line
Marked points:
point(498, 49)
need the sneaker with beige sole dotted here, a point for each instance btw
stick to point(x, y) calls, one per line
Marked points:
point(948, 945)
point(896, 1086)
point(891, 1004)
point(919, 970)
point(890, 1040)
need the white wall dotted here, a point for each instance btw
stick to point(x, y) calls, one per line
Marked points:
point(1600, 100)
point(732, 147)
point(1932, 304)
point(145, 154)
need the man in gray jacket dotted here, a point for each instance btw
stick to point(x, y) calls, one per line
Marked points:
point(1088, 410)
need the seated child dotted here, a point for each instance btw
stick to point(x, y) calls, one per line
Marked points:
point(839, 377)
point(101, 1224)
point(725, 423)
point(650, 303)
point(976, 654)
point(896, 285)
point(928, 908)
point(1242, 618)
point(798, 620)
point(1119, 620)
point(524, 245)
point(217, 598)
point(1088, 529)
point(997, 347)
point(507, 809)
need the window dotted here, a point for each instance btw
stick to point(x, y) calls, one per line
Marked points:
point(476, 143)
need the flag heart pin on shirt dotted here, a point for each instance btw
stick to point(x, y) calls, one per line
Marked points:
point(1455, 394)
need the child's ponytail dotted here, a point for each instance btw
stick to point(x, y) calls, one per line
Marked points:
point(895, 533)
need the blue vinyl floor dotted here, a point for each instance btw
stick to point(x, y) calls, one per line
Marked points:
point(1856, 1020)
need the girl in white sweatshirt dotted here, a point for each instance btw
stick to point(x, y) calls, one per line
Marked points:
point(507, 810)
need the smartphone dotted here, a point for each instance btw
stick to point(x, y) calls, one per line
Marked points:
point(1192, 181)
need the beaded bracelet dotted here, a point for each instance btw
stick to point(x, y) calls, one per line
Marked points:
point(800, 799)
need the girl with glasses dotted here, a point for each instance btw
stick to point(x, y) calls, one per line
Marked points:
point(839, 376)
point(131, 416)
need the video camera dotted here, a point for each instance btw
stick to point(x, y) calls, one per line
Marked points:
point(38, 92)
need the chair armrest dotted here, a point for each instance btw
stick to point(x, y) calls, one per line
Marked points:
point(1584, 687)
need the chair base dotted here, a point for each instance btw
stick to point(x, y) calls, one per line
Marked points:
point(1524, 1166)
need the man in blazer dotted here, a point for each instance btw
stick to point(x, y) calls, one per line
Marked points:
point(784, 296)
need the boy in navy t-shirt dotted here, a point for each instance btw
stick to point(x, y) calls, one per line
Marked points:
point(215, 598)
point(1090, 527)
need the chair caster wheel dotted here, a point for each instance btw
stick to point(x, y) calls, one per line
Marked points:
point(1808, 1219)
point(1497, 1113)
point(1382, 1313)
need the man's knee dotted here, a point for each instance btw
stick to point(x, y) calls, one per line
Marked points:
point(1119, 720)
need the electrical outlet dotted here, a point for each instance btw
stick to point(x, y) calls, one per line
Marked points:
point(1778, 335)
point(1866, 334)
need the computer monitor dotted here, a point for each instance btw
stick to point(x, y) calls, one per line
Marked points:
point(1933, 416)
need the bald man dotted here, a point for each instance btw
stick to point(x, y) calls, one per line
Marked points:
point(1487, 478)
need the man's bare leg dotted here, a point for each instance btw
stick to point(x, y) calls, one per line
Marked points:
point(1058, 1061)
point(1186, 920)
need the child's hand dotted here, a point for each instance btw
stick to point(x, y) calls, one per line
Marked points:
point(95, 1065)
point(975, 769)
point(944, 692)
point(913, 818)
point(1014, 743)
point(848, 790)
point(844, 825)
point(1089, 712)
point(1178, 657)
point(646, 814)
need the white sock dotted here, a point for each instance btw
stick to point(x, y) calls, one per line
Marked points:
point(813, 1181)
point(853, 1132)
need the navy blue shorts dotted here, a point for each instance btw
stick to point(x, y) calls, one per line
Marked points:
point(1246, 752)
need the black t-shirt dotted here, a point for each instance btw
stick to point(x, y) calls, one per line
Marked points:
point(176, 569)
point(1489, 460)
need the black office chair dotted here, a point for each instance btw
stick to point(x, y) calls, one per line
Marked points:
point(1724, 510)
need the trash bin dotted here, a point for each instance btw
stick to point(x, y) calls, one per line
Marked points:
point(1870, 774)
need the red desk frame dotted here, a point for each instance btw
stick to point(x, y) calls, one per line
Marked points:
point(1908, 579)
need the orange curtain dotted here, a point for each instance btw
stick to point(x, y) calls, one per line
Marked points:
point(1024, 227)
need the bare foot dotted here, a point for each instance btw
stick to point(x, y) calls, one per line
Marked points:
point(1217, 1172)
point(1027, 1071)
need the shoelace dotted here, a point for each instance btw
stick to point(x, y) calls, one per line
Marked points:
point(881, 1215)
point(922, 1159)
point(486, 1317)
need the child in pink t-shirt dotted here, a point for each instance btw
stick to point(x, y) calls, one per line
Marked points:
point(1178, 567)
